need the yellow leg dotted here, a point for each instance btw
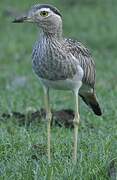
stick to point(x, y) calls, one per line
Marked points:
point(48, 117)
point(76, 123)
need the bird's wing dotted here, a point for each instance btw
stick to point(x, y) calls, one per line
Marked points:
point(82, 54)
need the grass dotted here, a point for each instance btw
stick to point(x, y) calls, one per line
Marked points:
point(22, 147)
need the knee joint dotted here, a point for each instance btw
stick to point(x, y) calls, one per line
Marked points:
point(76, 120)
point(49, 116)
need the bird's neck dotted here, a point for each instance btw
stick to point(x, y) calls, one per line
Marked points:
point(53, 33)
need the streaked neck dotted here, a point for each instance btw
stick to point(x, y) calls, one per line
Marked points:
point(54, 33)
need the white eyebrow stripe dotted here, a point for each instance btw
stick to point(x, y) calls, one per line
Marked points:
point(45, 9)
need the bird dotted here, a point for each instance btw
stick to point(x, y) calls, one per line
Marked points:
point(61, 63)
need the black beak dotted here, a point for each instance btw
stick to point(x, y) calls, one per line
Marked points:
point(20, 19)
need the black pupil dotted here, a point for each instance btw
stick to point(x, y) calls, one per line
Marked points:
point(44, 13)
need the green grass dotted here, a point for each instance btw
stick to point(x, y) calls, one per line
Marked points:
point(22, 147)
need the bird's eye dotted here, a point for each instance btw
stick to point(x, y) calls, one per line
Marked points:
point(44, 13)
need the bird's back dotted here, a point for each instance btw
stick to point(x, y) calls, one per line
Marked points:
point(84, 57)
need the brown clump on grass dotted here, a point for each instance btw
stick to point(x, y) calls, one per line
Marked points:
point(62, 117)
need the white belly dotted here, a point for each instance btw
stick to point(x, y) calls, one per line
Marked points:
point(67, 84)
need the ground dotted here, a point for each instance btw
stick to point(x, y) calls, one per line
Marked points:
point(23, 146)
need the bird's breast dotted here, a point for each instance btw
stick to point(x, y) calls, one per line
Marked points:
point(51, 62)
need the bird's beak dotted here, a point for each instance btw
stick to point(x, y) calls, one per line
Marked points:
point(22, 19)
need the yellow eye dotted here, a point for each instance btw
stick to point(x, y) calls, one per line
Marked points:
point(44, 13)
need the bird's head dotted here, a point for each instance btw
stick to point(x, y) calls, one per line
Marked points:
point(45, 16)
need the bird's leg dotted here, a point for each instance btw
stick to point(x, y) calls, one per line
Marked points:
point(48, 117)
point(76, 123)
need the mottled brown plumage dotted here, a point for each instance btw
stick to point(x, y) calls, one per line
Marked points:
point(86, 61)
point(83, 55)
point(61, 63)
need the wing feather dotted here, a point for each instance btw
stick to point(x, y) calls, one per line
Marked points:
point(83, 55)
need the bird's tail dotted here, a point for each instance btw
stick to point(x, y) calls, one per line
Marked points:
point(91, 100)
